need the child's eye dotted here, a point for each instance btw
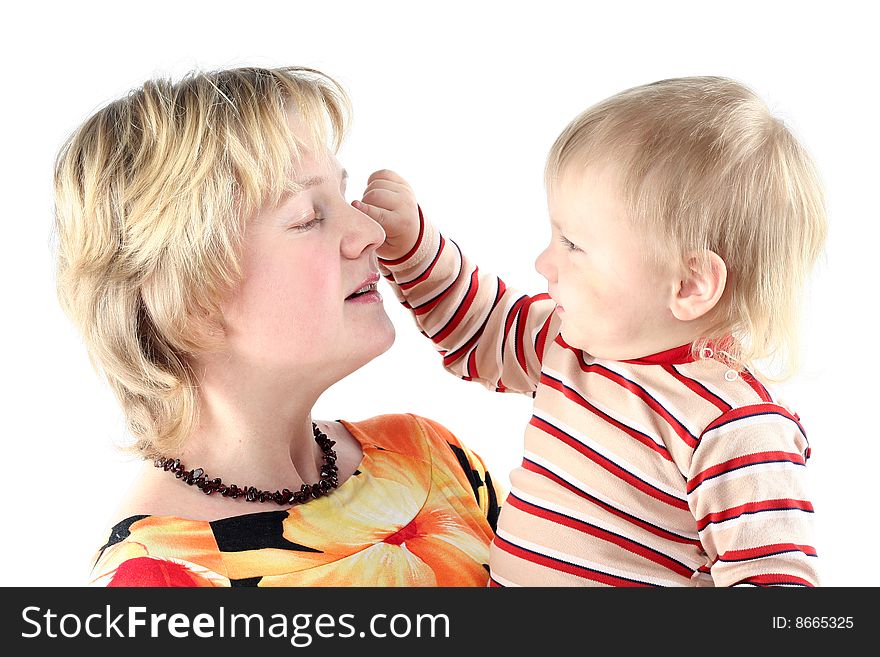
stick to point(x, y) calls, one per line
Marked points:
point(571, 246)
point(307, 225)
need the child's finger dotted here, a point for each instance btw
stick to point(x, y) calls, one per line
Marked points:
point(390, 185)
point(386, 199)
point(379, 215)
point(386, 174)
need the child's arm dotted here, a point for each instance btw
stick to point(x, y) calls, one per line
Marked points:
point(747, 490)
point(485, 331)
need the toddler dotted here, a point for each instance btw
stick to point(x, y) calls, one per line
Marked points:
point(684, 219)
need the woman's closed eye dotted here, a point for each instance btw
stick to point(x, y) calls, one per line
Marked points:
point(307, 225)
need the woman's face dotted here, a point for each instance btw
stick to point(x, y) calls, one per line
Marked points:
point(294, 310)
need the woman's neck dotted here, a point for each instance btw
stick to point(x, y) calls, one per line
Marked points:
point(254, 430)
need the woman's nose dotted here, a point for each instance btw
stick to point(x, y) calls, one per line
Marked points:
point(362, 234)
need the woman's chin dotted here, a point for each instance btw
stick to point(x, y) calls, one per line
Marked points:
point(373, 344)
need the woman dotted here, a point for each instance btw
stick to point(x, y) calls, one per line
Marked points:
point(222, 282)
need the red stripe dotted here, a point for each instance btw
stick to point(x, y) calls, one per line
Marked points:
point(572, 395)
point(472, 365)
point(608, 465)
point(752, 410)
point(424, 275)
point(604, 535)
point(462, 308)
point(565, 567)
point(772, 579)
point(450, 358)
point(657, 531)
point(676, 355)
point(743, 461)
point(521, 323)
point(415, 248)
point(784, 504)
point(655, 406)
point(766, 551)
point(454, 356)
point(430, 305)
point(756, 386)
point(508, 321)
point(698, 388)
point(541, 340)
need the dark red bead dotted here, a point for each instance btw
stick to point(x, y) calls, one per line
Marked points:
point(329, 478)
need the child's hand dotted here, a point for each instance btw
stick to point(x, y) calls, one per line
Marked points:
point(389, 201)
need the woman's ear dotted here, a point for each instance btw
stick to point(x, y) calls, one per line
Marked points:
point(700, 286)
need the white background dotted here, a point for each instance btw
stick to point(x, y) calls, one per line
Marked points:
point(464, 99)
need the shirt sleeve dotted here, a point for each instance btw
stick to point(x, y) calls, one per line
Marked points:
point(747, 488)
point(485, 331)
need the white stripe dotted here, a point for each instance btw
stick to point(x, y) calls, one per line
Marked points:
point(595, 402)
point(763, 516)
point(705, 382)
point(508, 306)
point(472, 321)
point(584, 563)
point(651, 390)
point(577, 483)
point(751, 470)
point(502, 580)
point(440, 322)
point(736, 393)
point(580, 437)
point(771, 417)
point(427, 260)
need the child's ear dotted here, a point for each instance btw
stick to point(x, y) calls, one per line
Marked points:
point(700, 286)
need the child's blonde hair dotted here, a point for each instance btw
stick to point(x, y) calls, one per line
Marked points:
point(151, 196)
point(704, 165)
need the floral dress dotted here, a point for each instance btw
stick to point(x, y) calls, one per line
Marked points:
point(420, 510)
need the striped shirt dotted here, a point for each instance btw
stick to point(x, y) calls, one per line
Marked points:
point(658, 471)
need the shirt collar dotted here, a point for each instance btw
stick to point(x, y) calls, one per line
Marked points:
point(674, 356)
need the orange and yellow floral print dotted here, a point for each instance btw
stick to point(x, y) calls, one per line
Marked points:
point(419, 511)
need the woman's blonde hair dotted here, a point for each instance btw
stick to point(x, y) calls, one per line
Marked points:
point(704, 166)
point(152, 193)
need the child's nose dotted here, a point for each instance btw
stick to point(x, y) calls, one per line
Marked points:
point(544, 266)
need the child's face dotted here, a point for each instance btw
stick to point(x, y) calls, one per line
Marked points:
point(612, 302)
